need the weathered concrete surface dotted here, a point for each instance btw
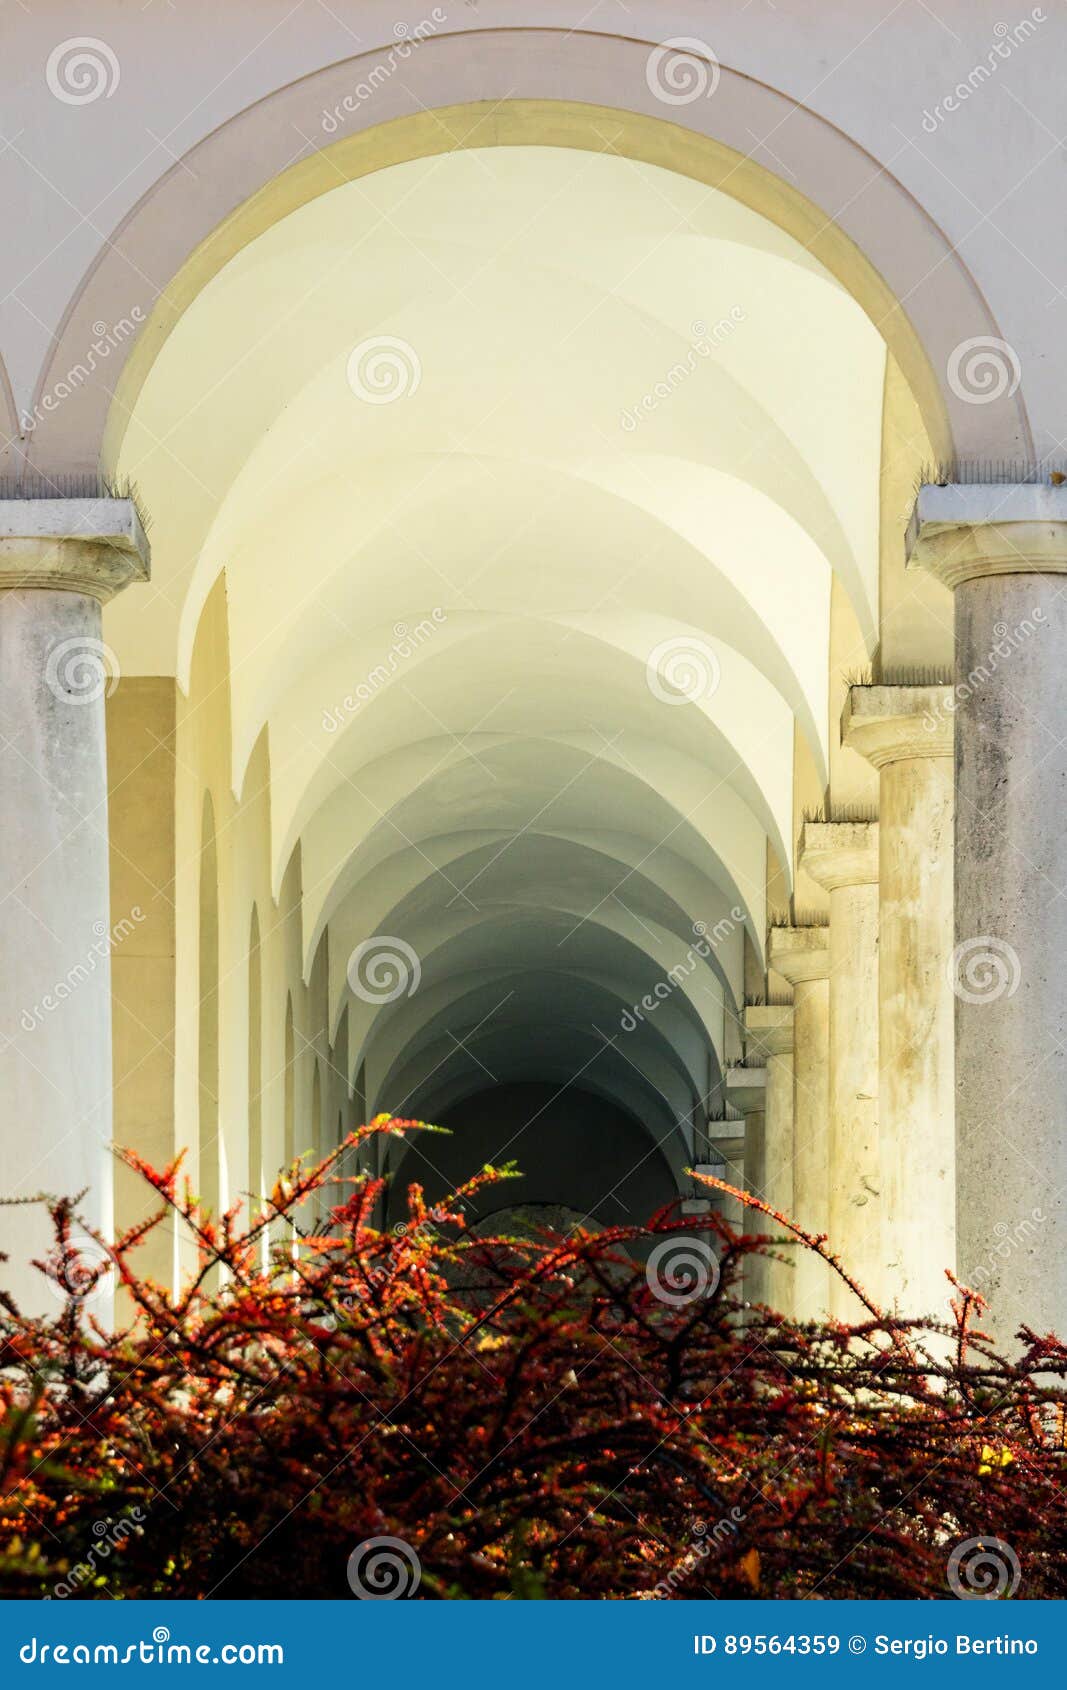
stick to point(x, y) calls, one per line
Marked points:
point(1011, 939)
point(59, 559)
point(907, 732)
point(746, 1090)
point(843, 857)
point(802, 956)
point(769, 1035)
point(1003, 549)
point(55, 981)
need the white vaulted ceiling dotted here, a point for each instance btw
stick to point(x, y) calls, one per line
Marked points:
point(633, 417)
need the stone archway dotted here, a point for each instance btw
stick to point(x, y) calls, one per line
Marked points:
point(549, 88)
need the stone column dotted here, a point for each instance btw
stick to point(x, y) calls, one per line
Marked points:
point(906, 732)
point(769, 1035)
point(1003, 551)
point(802, 956)
point(59, 560)
point(726, 1161)
point(726, 1143)
point(843, 858)
point(745, 1090)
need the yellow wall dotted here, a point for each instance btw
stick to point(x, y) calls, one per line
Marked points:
point(140, 751)
point(165, 754)
point(916, 610)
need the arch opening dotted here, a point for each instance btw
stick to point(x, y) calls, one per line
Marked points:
point(543, 520)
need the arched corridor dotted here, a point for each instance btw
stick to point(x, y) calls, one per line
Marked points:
point(533, 723)
point(519, 612)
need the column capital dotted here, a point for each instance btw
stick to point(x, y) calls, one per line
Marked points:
point(746, 1089)
point(838, 854)
point(960, 532)
point(895, 724)
point(90, 546)
point(769, 1028)
point(799, 953)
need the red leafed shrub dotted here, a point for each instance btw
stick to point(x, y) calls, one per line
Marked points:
point(422, 1412)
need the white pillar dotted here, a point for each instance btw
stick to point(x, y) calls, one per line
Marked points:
point(906, 733)
point(802, 956)
point(769, 1035)
point(59, 560)
point(746, 1091)
point(843, 857)
point(726, 1141)
point(1003, 551)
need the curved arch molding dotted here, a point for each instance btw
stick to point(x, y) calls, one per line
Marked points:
point(541, 87)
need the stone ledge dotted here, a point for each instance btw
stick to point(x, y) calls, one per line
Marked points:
point(839, 854)
point(961, 532)
point(746, 1089)
point(799, 953)
point(888, 724)
point(769, 1027)
point(90, 546)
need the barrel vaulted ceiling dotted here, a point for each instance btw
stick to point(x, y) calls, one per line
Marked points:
point(530, 472)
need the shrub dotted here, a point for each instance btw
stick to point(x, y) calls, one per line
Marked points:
point(521, 1417)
